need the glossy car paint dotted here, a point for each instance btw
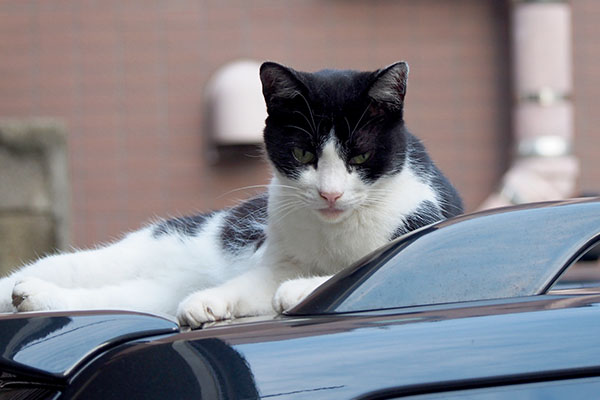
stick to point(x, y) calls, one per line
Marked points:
point(51, 345)
point(410, 351)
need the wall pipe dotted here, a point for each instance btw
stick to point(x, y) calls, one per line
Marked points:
point(544, 167)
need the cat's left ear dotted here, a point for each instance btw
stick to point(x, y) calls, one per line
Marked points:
point(389, 86)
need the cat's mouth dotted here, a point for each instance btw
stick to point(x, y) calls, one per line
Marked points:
point(331, 213)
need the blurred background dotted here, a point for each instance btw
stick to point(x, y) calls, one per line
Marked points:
point(125, 102)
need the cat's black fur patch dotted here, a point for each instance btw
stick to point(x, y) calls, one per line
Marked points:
point(427, 213)
point(245, 224)
point(187, 226)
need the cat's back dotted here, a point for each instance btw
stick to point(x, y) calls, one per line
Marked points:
point(232, 230)
point(449, 202)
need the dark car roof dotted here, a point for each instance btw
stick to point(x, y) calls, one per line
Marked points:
point(52, 344)
point(404, 351)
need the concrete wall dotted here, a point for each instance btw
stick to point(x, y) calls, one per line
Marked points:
point(34, 191)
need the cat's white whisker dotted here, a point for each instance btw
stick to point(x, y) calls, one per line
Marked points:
point(300, 129)
point(348, 125)
point(312, 117)
point(370, 121)
point(285, 210)
point(256, 187)
point(360, 119)
point(319, 126)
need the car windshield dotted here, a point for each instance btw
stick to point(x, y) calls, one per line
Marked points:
point(515, 252)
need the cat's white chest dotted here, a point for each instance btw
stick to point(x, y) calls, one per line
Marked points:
point(320, 248)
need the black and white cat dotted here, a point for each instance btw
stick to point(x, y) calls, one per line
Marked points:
point(347, 178)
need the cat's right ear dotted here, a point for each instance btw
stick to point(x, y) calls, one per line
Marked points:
point(279, 83)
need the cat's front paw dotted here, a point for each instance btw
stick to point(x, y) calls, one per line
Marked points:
point(6, 288)
point(33, 294)
point(202, 307)
point(292, 292)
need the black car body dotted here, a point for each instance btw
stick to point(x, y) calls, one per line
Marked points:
point(466, 308)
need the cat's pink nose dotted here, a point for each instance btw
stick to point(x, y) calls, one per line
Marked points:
point(331, 197)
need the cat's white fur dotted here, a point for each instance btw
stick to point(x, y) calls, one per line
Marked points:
point(307, 239)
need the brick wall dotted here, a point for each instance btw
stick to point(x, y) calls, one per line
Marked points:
point(127, 79)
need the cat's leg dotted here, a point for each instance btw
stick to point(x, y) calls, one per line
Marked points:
point(49, 268)
point(65, 270)
point(293, 291)
point(33, 294)
point(87, 268)
point(121, 260)
point(246, 295)
point(138, 255)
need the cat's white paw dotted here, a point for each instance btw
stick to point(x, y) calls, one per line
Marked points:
point(292, 292)
point(203, 306)
point(6, 289)
point(33, 294)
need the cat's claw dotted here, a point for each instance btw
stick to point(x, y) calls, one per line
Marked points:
point(200, 308)
point(33, 294)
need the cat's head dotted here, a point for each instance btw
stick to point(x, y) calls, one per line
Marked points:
point(332, 135)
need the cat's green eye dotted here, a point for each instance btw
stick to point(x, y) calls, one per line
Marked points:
point(361, 158)
point(303, 156)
